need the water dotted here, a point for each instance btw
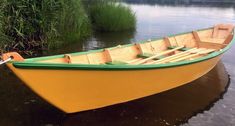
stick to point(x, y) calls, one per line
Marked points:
point(204, 102)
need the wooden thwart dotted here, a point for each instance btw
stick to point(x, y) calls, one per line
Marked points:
point(227, 27)
point(193, 55)
point(183, 55)
point(214, 40)
point(167, 59)
point(157, 55)
point(209, 45)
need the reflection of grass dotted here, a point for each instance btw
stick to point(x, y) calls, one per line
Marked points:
point(33, 23)
point(111, 16)
point(109, 39)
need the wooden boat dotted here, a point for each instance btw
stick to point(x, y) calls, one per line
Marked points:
point(88, 80)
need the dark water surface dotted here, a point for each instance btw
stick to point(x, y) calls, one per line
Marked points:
point(199, 103)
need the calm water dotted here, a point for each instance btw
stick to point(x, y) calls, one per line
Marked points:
point(199, 103)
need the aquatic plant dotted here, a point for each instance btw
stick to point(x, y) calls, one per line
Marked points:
point(37, 24)
point(111, 16)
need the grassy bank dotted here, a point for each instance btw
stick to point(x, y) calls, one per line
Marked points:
point(28, 26)
point(33, 25)
point(111, 16)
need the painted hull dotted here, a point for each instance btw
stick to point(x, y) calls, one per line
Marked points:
point(88, 80)
point(80, 90)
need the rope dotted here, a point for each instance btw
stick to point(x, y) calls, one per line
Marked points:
point(5, 61)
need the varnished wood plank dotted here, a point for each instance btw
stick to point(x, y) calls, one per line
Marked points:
point(197, 38)
point(90, 59)
point(167, 41)
point(193, 55)
point(228, 39)
point(172, 57)
point(159, 54)
point(209, 45)
point(108, 55)
point(138, 45)
point(215, 31)
point(222, 27)
point(213, 40)
point(176, 41)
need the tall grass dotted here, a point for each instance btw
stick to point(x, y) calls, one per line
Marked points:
point(111, 16)
point(3, 38)
point(32, 25)
point(38, 24)
point(73, 23)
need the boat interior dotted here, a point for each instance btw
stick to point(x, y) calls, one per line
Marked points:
point(183, 47)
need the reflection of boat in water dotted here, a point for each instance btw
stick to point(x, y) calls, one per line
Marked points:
point(87, 80)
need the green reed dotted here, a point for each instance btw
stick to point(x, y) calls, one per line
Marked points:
point(34, 25)
point(37, 24)
point(111, 16)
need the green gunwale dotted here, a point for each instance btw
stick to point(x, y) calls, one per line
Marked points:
point(32, 64)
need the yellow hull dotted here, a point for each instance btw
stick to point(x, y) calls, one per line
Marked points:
point(79, 90)
point(88, 80)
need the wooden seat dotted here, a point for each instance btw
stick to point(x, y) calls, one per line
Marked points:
point(200, 52)
point(157, 55)
point(222, 30)
point(141, 59)
point(146, 55)
point(172, 57)
point(210, 45)
point(221, 35)
point(138, 58)
point(114, 61)
point(213, 40)
point(191, 53)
